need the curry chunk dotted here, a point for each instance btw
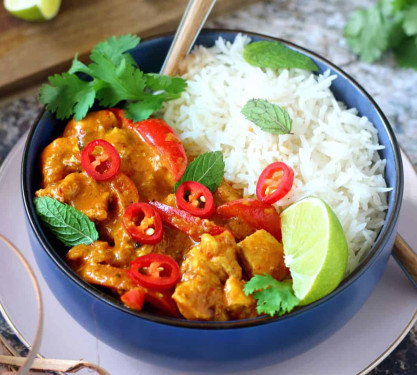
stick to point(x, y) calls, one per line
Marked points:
point(261, 253)
point(82, 192)
point(201, 294)
point(238, 304)
point(58, 159)
point(93, 126)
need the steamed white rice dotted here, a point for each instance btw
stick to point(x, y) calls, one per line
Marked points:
point(332, 150)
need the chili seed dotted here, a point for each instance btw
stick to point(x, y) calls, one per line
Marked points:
point(150, 231)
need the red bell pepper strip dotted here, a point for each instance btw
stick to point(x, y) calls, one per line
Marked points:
point(143, 223)
point(158, 134)
point(274, 182)
point(195, 198)
point(257, 214)
point(100, 160)
point(155, 271)
point(185, 222)
point(163, 302)
point(134, 298)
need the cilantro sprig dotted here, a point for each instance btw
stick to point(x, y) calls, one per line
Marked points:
point(69, 225)
point(112, 77)
point(390, 24)
point(273, 297)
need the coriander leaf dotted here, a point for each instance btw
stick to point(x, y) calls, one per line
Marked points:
point(366, 33)
point(78, 67)
point(69, 225)
point(114, 48)
point(67, 95)
point(207, 169)
point(401, 4)
point(174, 85)
point(139, 111)
point(410, 21)
point(275, 55)
point(406, 53)
point(273, 296)
point(121, 82)
point(269, 117)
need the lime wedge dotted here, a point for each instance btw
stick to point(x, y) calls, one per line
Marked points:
point(315, 248)
point(33, 10)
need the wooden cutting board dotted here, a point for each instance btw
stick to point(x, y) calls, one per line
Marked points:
point(29, 52)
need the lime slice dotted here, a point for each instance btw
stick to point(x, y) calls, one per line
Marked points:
point(33, 10)
point(315, 248)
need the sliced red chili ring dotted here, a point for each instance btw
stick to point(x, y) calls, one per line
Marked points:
point(155, 271)
point(195, 198)
point(274, 182)
point(134, 298)
point(143, 223)
point(100, 160)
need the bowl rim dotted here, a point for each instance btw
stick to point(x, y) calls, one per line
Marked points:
point(365, 264)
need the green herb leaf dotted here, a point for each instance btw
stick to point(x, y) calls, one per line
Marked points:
point(269, 117)
point(410, 21)
point(66, 95)
point(114, 78)
point(69, 225)
point(114, 48)
point(406, 53)
point(273, 296)
point(207, 169)
point(275, 55)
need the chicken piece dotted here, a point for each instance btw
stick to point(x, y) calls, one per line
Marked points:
point(225, 193)
point(238, 305)
point(58, 159)
point(93, 126)
point(82, 192)
point(207, 267)
point(99, 252)
point(261, 253)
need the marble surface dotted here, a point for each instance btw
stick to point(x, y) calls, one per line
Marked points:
point(316, 25)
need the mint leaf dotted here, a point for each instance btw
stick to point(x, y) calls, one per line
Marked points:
point(273, 297)
point(66, 95)
point(269, 117)
point(406, 53)
point(114, 48)
point(207, 169)
point(410, 21)
point(276, 56)
point(69, 225)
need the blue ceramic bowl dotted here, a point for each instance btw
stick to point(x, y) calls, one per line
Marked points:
point(187, 344)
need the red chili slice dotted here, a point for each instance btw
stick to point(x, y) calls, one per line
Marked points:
point(274, 182)
point(155, 271)
point(195, 198)
point(134, 298)
point(100, 160)
point(143, 223)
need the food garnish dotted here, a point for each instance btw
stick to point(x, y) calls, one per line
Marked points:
point(185, 222)
point(155, 271)
point(273, 297)
point(269, 117)
point(100, 160)
point(143, 223)
point(195, 198)
point(207, 169)
point(112, 77)
point(315, 248)
point(69, 225)
point(276, 56)
point(387, 25)
point(134, 298)
point(275, 182)
point(257, 214)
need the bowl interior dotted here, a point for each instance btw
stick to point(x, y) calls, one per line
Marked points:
point(150, 55)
